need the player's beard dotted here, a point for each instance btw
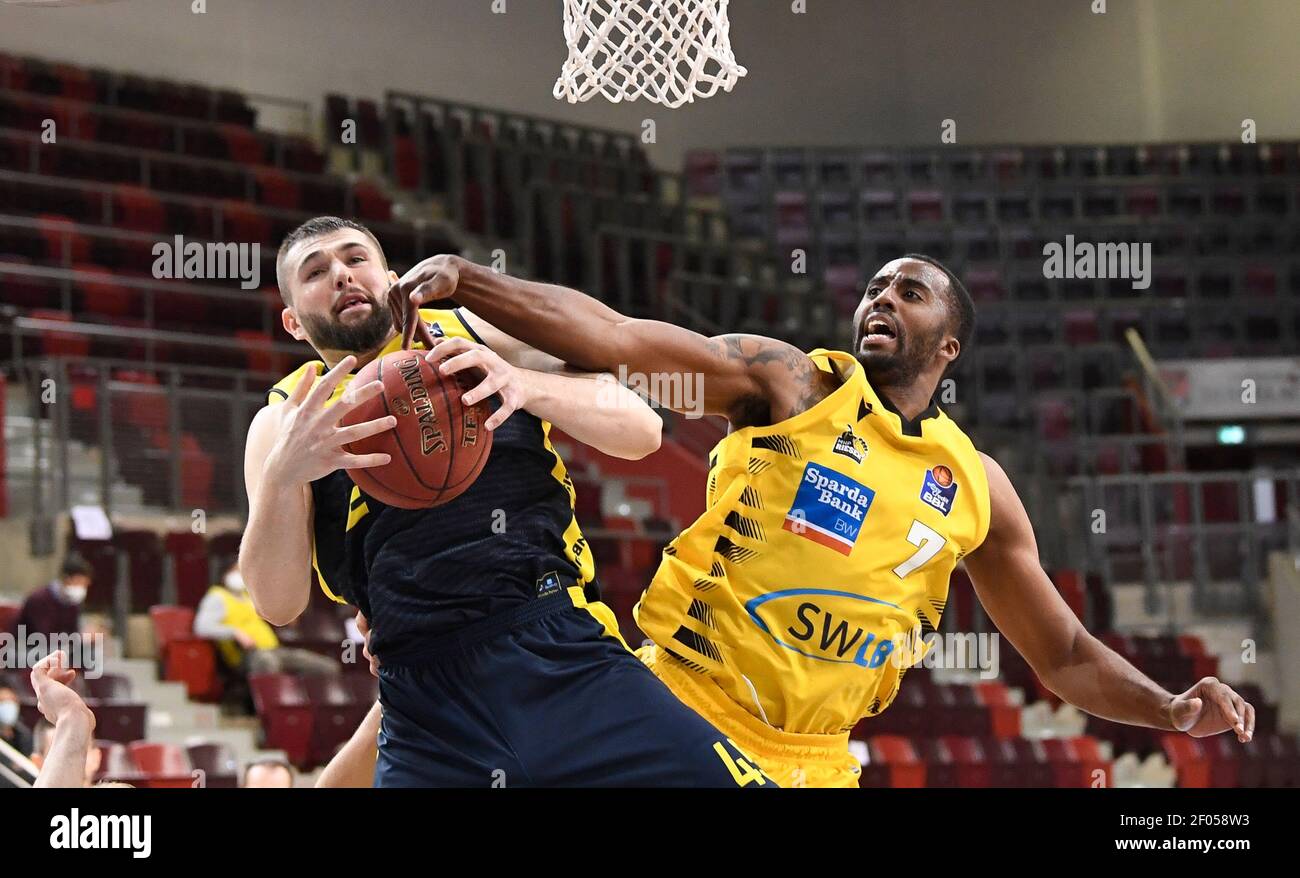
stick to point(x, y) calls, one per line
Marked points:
point(326, 332)
point(904, 364)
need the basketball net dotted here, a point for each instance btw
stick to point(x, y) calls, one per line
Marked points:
point(666, 51)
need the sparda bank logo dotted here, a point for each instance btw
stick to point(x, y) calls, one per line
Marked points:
point(815, 622)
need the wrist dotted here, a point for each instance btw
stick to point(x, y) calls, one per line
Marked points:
point(471, 278)
point(275, 481)
point(76, 718)
point(532, 388)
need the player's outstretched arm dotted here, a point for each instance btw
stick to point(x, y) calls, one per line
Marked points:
point(288, 446)
point(749, 379)
point(1027, 609)
point(594, 409)
point(64, 766)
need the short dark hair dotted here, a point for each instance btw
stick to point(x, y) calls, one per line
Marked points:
point(961, 306)
point(75, 565)
point(314, 228)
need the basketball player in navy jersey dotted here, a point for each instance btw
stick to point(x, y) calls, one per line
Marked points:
point(500, 666)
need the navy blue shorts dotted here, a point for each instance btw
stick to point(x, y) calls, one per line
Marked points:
point(544, 698)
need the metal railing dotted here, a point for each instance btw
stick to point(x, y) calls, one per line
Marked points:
point(189, 300)
point(180, 130)
point(31, 336)
point(101, 434)
point(1212, 529)
point(212, 213)
point(145, 164)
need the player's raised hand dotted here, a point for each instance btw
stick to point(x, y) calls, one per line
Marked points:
point(310, 441)
point(431, 280)
point(511, 385)
point(1211, 707)
point(52, 682)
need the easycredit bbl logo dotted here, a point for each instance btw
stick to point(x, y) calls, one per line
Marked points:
point(828, 508)
point(819, 623)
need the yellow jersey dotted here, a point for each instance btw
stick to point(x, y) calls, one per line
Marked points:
point(822, 559)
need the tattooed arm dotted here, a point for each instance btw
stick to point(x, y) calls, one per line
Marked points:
point(749, 379)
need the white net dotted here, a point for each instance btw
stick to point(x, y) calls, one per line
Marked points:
point(666, 51)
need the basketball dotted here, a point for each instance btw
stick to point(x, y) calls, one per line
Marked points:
point(438, 447)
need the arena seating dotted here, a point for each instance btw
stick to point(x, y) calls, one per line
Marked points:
point(136, 160)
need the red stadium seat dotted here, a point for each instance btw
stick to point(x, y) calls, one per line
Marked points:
point(216, 763)
point(281, 703)
point(64, 245)
point(243, 222)
point(58, 343)
point(159, 758)
point(116, 721)
point(116, 762)
point(1188, 758)
point(242, 145)
point(109, 687)
point(138, 209)
point(1004, 717)
point(905, 768)
point(275, 189)
point(335, 715)
point(371, 202)
point(102, 295)
point(185, 658)
point(188, 554)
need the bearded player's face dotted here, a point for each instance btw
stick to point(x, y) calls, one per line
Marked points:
point(339, 282)
point(901, 322)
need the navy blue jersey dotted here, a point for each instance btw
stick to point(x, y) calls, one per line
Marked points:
point(510, 538)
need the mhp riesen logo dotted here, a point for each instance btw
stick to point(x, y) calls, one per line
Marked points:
point(815, 622)
point(828, 508)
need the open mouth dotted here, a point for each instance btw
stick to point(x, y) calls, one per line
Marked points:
point(352, 303)
point(879, 329)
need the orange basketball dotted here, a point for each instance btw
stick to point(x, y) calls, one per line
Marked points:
point(439, 445)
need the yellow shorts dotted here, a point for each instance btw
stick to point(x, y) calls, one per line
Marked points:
point(789, 758)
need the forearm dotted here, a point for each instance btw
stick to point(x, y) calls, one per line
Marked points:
point(354, 765)
point(275, 554)
point(598, 412)
point(1097, 680)
point(65, 764)
point(562, 322)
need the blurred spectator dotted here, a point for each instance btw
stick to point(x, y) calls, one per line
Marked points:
point(12, 732)
point(268, 774)
point(244, 639)
point(56, 609)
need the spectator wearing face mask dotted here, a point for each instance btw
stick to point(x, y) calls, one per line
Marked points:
point(245, 641)
point(12, 732)
point(55, 610)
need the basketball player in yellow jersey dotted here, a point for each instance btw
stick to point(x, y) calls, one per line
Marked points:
point(838, 506)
